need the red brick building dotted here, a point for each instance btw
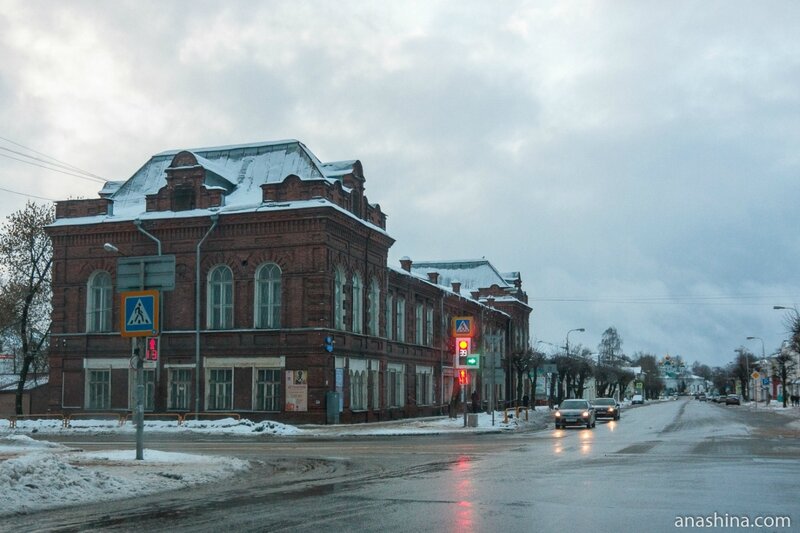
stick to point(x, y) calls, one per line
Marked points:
point(275, 253)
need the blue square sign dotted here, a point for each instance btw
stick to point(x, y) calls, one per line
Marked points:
point(140, 314)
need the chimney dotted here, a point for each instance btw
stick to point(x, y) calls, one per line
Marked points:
point(456, 286)
point(405, 263)
point(433, 277)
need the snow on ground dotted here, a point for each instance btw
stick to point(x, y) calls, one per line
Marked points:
point(36, 474)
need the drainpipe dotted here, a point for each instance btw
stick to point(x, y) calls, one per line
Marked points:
point(214, 220)
point(138, 224)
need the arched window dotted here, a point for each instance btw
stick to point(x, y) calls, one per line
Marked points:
point(98, 302)
point(268, 296)
point(220, 298)
point(358, 304)
point(374, 298)
point(338, 299)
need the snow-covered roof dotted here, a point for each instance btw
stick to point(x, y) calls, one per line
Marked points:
point(466, 296)
point(473, 274)
point(240, 170)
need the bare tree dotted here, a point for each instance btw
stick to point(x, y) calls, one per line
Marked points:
point(745, 360)
point(785, 362)
point(26, 255)
point(610, 347)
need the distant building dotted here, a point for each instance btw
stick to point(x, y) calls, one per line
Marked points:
point(678, 379)
point(283, 304)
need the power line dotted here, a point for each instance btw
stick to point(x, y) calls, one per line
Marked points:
point(53, 169)
point(72, 167)
point(65, 167)
point(29, 195)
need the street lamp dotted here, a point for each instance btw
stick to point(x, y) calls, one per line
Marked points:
point(570, 331)
point(139, 351)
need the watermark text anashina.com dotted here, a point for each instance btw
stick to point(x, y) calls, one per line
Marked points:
point(726, 520)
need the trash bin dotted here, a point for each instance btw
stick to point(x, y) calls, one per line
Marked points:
point(472, 420)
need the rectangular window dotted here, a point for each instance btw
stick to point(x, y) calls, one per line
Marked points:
point(389, 315)
point(98, 393)
point(358, 390)
point(429, 326)
point(424, 385)
point(401, 319)
point(220, 389)
point(149, 389)
point(418, 324)
point(268, 390)
point(395, 385)
point(180, 389)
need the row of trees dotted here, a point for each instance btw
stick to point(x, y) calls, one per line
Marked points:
point(26, 257)
point(612, 375)
point(611, 369)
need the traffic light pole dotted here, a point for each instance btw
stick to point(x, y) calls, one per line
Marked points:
point(464, 401)
point(140, 343)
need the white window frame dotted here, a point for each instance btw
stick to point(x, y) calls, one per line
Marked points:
point(220, 312)
point(424, 385)
point(99, 302)
point(179, 389)
point(229, 393)
point(260, 402)
point(268, 296)
point(429, 325)
point(92, 387)
point(395, 385)
point(419, 321)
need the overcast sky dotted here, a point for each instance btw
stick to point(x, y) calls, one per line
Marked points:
point(636, 161)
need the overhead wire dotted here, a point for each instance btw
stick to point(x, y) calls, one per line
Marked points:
point(60, 163)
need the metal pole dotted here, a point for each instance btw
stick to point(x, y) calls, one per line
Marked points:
point(140, 346)
point(140, 342)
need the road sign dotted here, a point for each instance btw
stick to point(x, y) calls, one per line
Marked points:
point(139, 314)
point(548, 369)
point(462, 326)
point(755, 375)
point(765, 381)
point(146, 272)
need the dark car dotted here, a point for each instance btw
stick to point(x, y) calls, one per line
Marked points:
point(606, 408)
point(575, 412)
point(733, 399)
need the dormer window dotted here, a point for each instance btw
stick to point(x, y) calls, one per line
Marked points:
point(183, 199)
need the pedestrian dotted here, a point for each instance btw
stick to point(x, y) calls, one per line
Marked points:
point(525, 400)
point(475, 399)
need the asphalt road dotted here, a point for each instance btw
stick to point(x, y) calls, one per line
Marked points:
point(659, 466)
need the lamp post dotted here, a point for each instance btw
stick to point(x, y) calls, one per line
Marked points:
point(746, 366)
point(570, 331)
point(138, 350)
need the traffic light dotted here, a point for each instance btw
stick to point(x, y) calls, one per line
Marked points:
point(464, 356)
point(463, 346)
point(329, 344)
point(151, 349)
point(463, 377)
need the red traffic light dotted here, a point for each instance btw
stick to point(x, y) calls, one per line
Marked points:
point(151, 350)
point(462, 377)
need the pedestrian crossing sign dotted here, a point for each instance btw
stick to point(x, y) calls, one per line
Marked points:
point(139, 314)
point(462, 326)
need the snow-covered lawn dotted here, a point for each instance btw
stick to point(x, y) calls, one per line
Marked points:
point(36, 474)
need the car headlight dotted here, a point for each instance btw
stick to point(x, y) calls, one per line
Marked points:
point(557, 414)
point(585, 414)
point(610, 409)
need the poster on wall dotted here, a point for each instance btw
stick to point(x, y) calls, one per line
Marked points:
point(296, 390)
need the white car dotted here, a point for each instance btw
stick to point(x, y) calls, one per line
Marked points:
point(637, 398)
